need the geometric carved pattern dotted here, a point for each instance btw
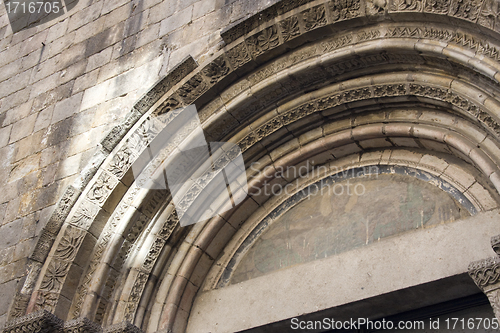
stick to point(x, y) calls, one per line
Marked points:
point(36, 322)
point(81, 325)
point(45, 322)
point(485, 273)
point(124, 327)
point(254, 46)
point(352, 95)
point(495, 244)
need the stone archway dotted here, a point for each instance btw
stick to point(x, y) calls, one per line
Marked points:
point(333, 82)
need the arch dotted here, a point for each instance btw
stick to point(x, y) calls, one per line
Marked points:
point(314, 80)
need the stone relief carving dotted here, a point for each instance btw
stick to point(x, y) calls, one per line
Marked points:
point(459, 8)
point(486, 275)
point(216, 70)
point(19, 307)
point(325, 103)
point(62, 210)
point(192, 89)
point(36, 322)
point(153, 254)
point(375, 7)
point(466, 9)
point(290, 28)
point(489, 14)
point(172, 78)
point(368, 35)
point(263, 41)
point(437, 6)
point(135, 295)
point(102, 188)
point(406, 5)
point(495, 244)
point(485, 272)
point(70, 244)
point(121, 162)
point(238, 55)
point(172, 103)
point(314, 17)
point(45, 322)
point(55, 275)
point(83, 287)
point(143, 136)
point(46, 300)
point(336, 43)
point(494, 298)
point(118, 132)
point(85, 214)
point(43, 246)
point(345, 9)
point(81, 325)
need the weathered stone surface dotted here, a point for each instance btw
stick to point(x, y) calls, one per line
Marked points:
point(39, 322)
point(107, 52)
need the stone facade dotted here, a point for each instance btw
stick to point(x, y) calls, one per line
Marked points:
point(65, 84)
point(344, 84)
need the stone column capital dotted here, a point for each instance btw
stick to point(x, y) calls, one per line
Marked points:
point(486, 273)
point(37, 322)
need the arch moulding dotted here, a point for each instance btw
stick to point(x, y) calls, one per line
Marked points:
point(340, 83)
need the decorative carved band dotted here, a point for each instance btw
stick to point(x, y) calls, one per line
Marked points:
point(199, 82)
point(495, 244)
point(36, 322)
point(82, 325)
point(46, 322)
point(485, 273)
point(124, 327)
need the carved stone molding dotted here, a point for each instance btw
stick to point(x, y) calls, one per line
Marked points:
point(46, 322)
point(258, 39)
point(124, 327)
point(82, 325)
point(486, 275)
point(495, 244)
point(36, 322)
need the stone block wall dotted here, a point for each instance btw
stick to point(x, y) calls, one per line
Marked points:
point(64, 84)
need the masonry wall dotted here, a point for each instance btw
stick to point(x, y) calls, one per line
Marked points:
point(66, 83)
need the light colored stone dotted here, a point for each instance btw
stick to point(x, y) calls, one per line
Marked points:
point(66, 108)
point(69, 166)
point(203, 7)
point(25, 167)
point(4, 135)
point(415, 257)
point(176, 21)
point(459, 175)
point(94, 95)
point(22, 128)
point(483, 196)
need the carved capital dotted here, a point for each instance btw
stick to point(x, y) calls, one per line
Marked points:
point(82, 325)
point(124, 327)
point(486, 275)
point(36, 322)
point(495, 244)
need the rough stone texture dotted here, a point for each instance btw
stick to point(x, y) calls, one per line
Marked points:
point(110, 52)
point(64, 84)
